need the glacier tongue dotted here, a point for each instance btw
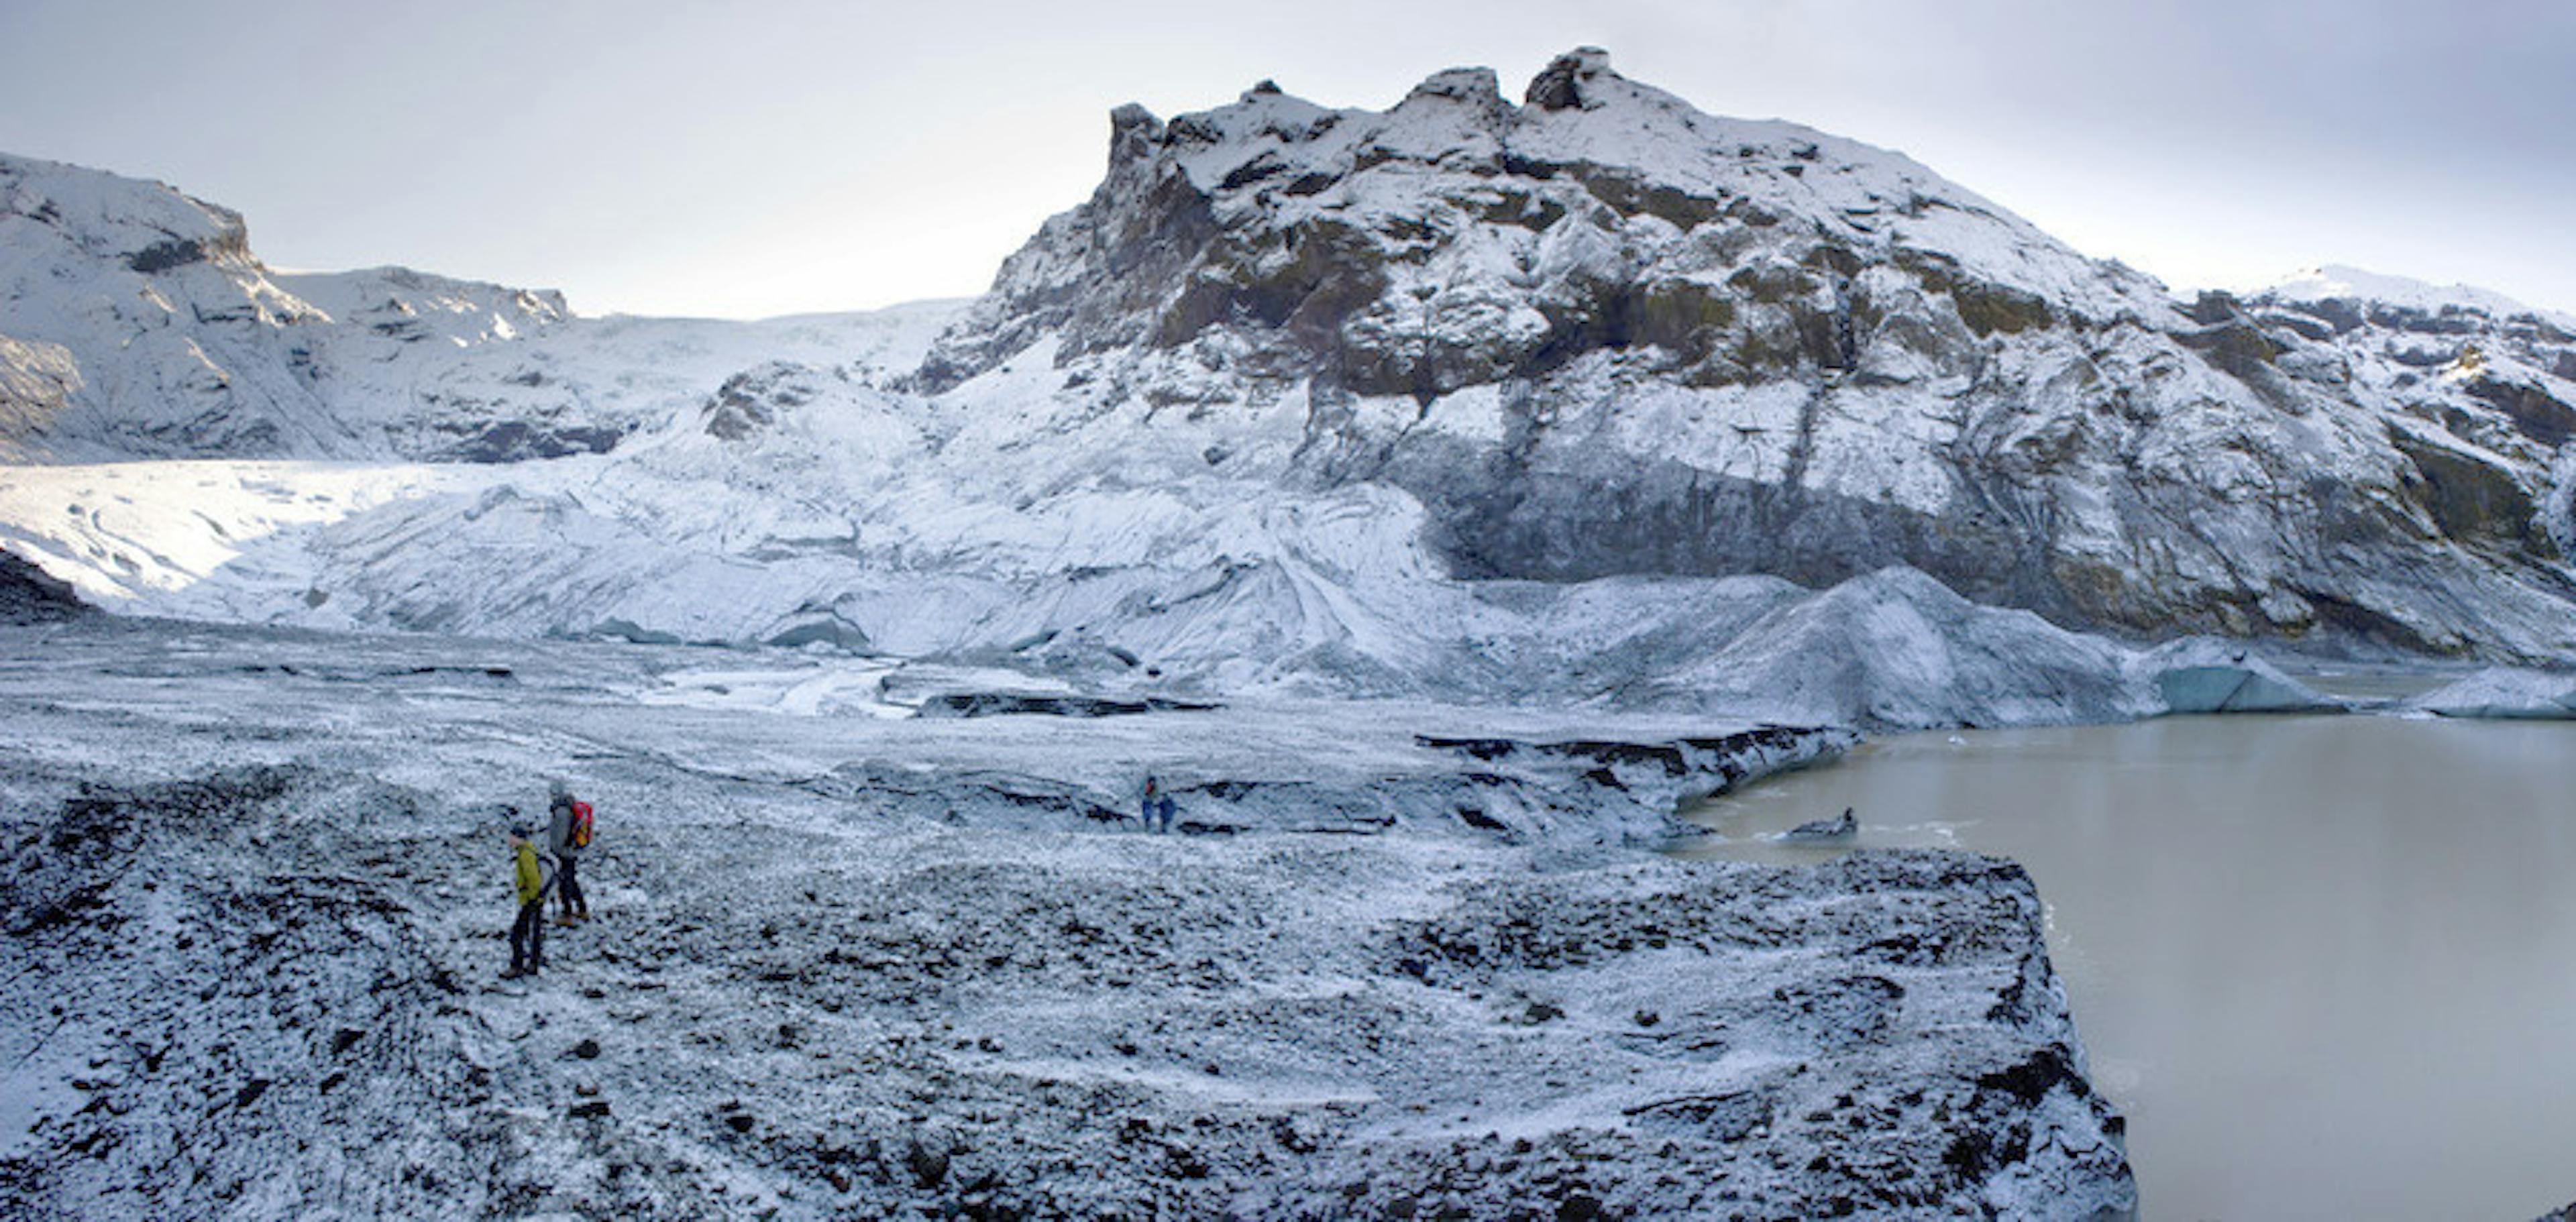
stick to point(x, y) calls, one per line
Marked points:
point(1125, 593)
point(1190, 590)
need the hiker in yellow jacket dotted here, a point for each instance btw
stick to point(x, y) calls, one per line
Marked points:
point(536, 881)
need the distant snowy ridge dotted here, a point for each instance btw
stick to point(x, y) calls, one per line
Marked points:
point(169, 337)
point(135, 321)
point(2337, 282)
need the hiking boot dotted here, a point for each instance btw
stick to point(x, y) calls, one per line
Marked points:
point(567, 921)
point(513, 972)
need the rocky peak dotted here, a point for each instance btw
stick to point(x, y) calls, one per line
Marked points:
point(1563, 83)
point(1603, 215)
point(1478, 86)
point(150, 227)
point(1133, 133)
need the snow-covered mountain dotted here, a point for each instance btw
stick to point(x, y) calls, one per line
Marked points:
point(135, 321)
point(1600, 332)
point(1583, 398)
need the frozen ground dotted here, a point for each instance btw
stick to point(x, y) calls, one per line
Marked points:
point(1415, 960)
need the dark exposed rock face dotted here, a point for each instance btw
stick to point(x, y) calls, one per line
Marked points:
point(521, 440)
point(162, 256)
point(1601, 333)
point(2531, 406)
point(1561, 85)
point(1003, 704)
point(29, 596)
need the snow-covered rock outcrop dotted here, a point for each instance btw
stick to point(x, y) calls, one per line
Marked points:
point(2480, 388)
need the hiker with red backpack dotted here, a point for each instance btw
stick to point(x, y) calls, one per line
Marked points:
point(568, 830)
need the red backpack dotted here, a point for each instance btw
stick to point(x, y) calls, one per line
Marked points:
point(580, 824)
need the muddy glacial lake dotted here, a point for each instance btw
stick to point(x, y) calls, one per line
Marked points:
point(2325, 965)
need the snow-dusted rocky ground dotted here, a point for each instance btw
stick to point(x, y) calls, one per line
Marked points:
point(1408, 958)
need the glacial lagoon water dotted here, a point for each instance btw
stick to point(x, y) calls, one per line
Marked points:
point(2325, 965)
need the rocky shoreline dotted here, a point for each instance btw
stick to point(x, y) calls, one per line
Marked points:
point(256, 895)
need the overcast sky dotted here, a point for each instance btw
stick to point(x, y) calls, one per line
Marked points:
point(748, 158)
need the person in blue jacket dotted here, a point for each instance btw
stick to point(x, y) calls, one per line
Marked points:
point(1155, 806)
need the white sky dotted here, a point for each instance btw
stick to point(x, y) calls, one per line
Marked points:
point(755, 158)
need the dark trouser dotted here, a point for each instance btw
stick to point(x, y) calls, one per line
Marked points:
point(570, 888)
point(528, 937)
